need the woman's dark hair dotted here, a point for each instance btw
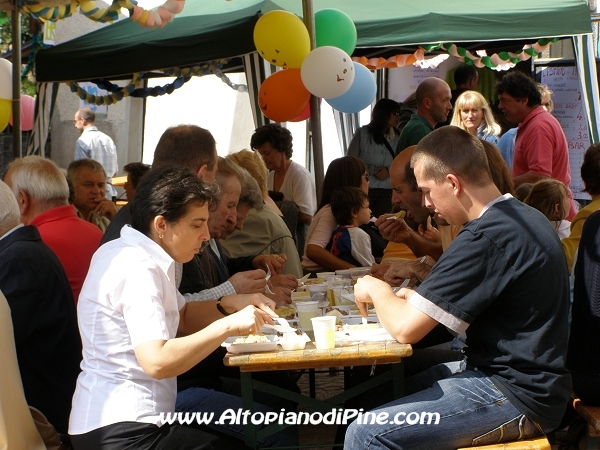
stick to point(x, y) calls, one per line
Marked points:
point(280, 138)
point(167, 192)
point(345, 202)
point(342, 172)
point(380, 118)
point(590, 170)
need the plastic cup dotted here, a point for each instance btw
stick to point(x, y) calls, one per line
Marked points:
point(306, 311)
point(358, 272)
point(324, 331)
point(324, 276)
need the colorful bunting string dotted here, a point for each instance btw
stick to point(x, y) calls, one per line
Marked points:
point(497, 61)
point(146, 18)
point(183, 75)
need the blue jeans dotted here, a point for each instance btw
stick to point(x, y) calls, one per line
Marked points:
point(196, 399)
point(465, 407)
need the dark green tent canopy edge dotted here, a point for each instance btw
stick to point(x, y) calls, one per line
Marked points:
point(215, 29)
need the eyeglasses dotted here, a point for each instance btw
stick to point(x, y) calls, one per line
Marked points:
point(396, 113)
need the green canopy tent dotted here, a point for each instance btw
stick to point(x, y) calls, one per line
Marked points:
point(213, 29)
point(208, 30)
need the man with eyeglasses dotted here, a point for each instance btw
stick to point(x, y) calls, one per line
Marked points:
point(96, 145)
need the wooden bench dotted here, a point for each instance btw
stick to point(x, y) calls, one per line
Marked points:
point(530, 444)
point(591, 414)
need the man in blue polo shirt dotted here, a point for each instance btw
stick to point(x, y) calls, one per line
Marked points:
point(433, 107)
point(504, 283)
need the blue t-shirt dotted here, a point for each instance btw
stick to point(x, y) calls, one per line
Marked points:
point(505, 278)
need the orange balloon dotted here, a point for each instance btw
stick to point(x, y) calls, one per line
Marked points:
point(282, 97)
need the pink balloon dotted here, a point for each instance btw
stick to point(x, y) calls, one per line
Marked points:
point(305, 114)
point(27, 112)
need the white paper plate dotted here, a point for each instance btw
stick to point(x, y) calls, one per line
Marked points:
point(357, 319)
point(268, 346)
point(368, 335)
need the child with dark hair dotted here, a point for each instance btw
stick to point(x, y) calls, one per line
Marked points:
point(350, 207)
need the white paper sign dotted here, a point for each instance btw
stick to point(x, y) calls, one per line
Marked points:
point(570, 111)
point(93, 89)
point(419, 75)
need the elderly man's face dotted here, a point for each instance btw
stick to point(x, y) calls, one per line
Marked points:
point(78, 122)
point(242, 212)
point(225, 213)
point(88, 187)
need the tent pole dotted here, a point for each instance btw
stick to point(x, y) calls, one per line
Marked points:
point(16, 78)
point(315, 113)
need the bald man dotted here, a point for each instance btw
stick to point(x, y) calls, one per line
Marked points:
point(433, 106)
point(407, 196)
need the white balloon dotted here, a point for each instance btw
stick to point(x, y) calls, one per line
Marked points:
point(327, 72)
point(5, 79)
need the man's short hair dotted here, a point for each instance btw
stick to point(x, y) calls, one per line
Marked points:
point(136, 171)
point(590, 170)
point(41, 179)
point(87, 114)
point(452, 150)
point(84, 163)
point(346, 201)
point(279, 137)
point(463, 74)
point(520, 86)
point(250, 194)
point(10, 215)
point(187, 146)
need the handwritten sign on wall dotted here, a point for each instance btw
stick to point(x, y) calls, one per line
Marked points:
point(570, 111)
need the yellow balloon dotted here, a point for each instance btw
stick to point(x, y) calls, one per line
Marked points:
point(282, 39)
point(5, 112)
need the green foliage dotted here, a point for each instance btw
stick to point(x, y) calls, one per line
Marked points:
point(27, 86)
point(6, 31)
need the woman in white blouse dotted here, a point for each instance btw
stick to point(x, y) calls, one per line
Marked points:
point(137, 331)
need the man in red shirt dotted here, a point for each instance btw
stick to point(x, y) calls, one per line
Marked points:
point(541, 149)
point(42, 194)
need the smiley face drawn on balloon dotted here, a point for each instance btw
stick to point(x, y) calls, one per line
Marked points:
point(327, 72)
point(282, 96)
point(262, 100)
point(282, 39)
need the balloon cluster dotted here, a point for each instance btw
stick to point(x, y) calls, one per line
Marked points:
point(327, 71)
point(27, 102)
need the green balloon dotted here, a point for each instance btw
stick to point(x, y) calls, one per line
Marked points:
point(333, 27)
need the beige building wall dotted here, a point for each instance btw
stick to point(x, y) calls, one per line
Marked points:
point(123, 121)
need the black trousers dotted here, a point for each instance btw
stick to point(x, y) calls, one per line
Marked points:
point(143, 436)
